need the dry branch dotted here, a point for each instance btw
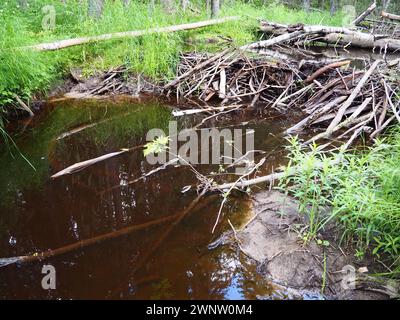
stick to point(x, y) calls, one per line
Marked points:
point(353, 95)
point(324, 69)
point(365, 14)
point(269, 178)
point(85, 243)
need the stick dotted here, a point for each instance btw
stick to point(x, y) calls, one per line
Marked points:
point(365, 14)
point(353, 95)
point(195, 203)
point(85, 243)
point(352, 119)
point(315, 115)
point(324, 69)
point(194, 69)
point(23, 105)
point(268, 178)
point(76, 167)
point(128, 34)
point(273, 41)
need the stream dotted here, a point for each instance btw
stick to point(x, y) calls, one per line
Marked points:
point(38, 213)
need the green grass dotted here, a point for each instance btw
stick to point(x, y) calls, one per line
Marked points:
point(363, 192)
point(28, 73)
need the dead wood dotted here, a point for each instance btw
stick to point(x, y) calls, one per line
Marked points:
point(271, 178)
point(365, 14)
point(76, 167)
point(390, 16)
point(389, 287)
point(23, 105)
point(85, 243)
point(128, 34)
point(330, 35)
point(324, 69)
point(353, 95)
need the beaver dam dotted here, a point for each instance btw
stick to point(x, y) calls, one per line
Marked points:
point(116, 226)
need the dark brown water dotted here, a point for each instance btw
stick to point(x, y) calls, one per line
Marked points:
point(38, 214)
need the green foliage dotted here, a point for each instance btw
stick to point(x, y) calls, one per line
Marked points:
point(363, 192)
point(25, 73)
point(157, 146)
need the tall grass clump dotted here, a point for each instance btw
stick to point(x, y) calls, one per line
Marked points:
point(362, 191)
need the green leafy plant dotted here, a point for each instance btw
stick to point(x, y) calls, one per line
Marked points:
point(158, 145)
point(361, 193)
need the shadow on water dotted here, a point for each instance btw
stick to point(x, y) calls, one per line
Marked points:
point(38, 214)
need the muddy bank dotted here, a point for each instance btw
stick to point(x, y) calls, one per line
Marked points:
point(272, 239)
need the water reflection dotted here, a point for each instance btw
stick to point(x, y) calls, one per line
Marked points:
point(37, 213)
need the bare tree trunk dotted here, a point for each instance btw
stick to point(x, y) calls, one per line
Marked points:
point(95, 8)
point(306, 4)
point(385, 5)
point(168, 6)
point(184, 5)
point(214, 8)
point(126, 3)
point(333, 6)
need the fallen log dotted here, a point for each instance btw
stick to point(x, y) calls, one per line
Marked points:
point(128, 34)
point(274, 41)
point(365, 14)
point(390, 16)
point(327, 34)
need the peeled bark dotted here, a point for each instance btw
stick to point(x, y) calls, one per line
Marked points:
point(331, 35)
point(390, 16)
point(128, 34)
point(214, 8)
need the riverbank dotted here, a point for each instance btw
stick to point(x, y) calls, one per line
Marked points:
point(31, 74)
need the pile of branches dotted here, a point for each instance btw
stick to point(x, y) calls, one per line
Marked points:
point(347, 103)
point(338, 100)
point(115, 81)
point(232, 77)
